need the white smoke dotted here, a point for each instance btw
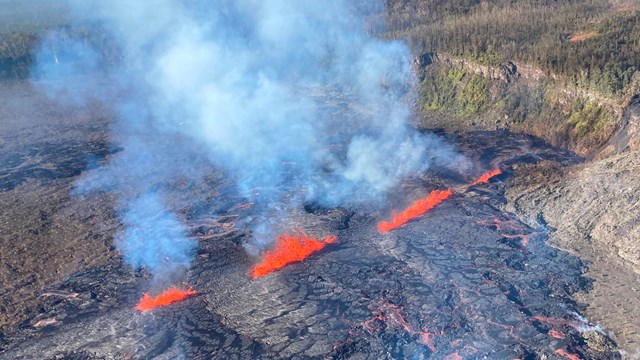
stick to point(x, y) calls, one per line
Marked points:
point(247, 85)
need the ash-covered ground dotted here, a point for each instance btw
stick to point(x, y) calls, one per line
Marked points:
point(464, 281)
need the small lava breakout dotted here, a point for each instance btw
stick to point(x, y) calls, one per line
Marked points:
point(167, 297)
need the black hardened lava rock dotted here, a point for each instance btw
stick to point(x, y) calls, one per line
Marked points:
point(464, 281)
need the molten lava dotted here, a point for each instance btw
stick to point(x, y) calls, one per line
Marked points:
point(168, 297)
point(45, 322)
point(485, 177)
point(568, 355)
point(289, 249)
point(418, 208)
point(389, 314)
point(556, 334)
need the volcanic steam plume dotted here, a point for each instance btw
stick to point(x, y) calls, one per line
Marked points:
point(278, 95)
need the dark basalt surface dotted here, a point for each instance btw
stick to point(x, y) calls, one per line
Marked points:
point(464, 281)
point(50, 161)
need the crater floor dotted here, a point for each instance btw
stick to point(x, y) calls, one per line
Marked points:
point(466, 280)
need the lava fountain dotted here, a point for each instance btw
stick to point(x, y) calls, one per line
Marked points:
point(418, 208)
point(289, 249)
point(485, 177)
point(167, 297)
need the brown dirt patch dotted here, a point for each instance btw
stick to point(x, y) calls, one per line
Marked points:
point(582, 36)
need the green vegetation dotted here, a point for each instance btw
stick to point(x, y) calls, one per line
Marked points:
point(582, 56)
point(543, 108)
point(448, 88)
point(593, 43)
point(577, 62)
point(15, 54)
point(588, 120)
point(438, 87)
point(473, 96)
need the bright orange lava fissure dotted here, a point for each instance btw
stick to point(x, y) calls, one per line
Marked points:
point(168, 297)
point(485, 177)
point(418, 208)
point(288, 249)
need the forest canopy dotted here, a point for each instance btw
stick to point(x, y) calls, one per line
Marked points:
point(594, 43)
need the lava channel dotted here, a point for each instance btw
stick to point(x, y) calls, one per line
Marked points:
point(418, 208)
point(485, 177)
point(167, 297)
point(288, 249)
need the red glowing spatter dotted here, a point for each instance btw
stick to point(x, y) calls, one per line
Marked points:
point(485, 177)
point(503, 225)
point(427, 339)
point(392, 315)
point(418, 208)
point(453, 356)
point(568, 355)
point(524, 238)
point(468, 351)
point(45, 322)
point(556, 334)
point(579, 324)
point(167, 297)
point(552, 321)
point(288, 249)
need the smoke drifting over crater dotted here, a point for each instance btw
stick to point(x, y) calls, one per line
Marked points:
point(279, 94)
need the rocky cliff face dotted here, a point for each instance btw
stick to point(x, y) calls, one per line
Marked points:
point(461, 95)
point(627, 137)
point(590, 209)
point(596, 202)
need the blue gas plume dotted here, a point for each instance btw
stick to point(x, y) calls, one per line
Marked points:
point(279, 94)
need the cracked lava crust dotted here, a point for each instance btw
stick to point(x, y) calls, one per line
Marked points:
point(465, 280)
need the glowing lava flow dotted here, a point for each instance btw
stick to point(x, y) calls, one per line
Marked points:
point(485, 177)
point(289, 249)
point(418, 208)
point(168, 297)
point(568, 355)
